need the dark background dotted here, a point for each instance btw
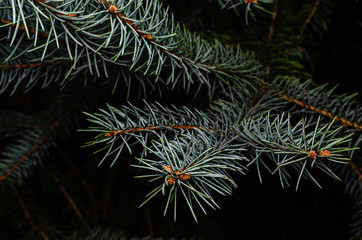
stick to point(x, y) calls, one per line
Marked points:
point(339, 53)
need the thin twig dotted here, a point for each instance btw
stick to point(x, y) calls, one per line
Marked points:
point(149, 222)
point(26, 156)
point(321, 111)
point(195, 16)
point(357, 171)
point(270, 36)
point(71, 202)
point(30, 219)
point(107, 195)
point(314, 9)
point(82, 180)
point(271, 27)
point(33, 65)
point(21, 27)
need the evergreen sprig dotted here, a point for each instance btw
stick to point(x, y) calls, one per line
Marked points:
point(116, 127)
point(296, 147)
point(137, 35)
point(266, 113)
point(300, 147)
point(192, 165)
point(246, 6)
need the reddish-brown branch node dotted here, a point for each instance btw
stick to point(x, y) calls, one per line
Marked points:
point(174, 175)
point(250, 1)
point(113, 8)
point(151, 39)
point(314, 154)
point(324, 153)
point(171, 180)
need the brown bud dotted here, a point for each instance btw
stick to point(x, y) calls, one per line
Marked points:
point(250, 1)
point(312, 154)
point(324, 153)
point(148, 37)
point(109, 134)
point(113, 9)
point(171, 180)
point(184, 176)
point(167, 168)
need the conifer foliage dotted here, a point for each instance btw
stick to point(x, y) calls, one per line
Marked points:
point(157, 88)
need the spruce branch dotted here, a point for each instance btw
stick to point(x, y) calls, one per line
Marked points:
point(358, 171)
point(356, 225)
point(297, 146)
point(28, 69)
point(343, 108)
point(151, 40)
point(307, 21)
point(351, 178)
point(193, 164)
point(199, 11)
point(130, 122)
point(11, 166)
point(323, 112)
point(268, 120)
point(35, 139)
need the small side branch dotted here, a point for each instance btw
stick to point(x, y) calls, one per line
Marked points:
point(71, 202)
point(113, 9)
point(357, 171)
point(133, 130)
point(30, 219)
point(86, 186)
point(32, 65)
point(195, 16)
point(107, 195)
point(274, 16)
point(26, 156)
point(320, 111)
point(21, 27)
point(314, 9)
